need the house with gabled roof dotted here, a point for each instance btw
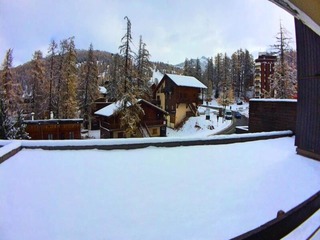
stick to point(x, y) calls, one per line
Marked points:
point(180, 96)
point(152, 123)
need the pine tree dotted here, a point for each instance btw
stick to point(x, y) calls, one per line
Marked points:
point(69, 104)
point(20, 128)
point(187, 69)
point(10, 99)
point(237, 72)
point(52, 73)
point(127, 54)
point(39, 88)
point(58, 85)
point(242, 71)
point(6, 123)
point(209, 72)
point(226, 73)
point(218, 74)
point(130, 111)
point(130, 115)
point(198, 71)
point(283, 82)
point(11, 90)
point(248, 71)
point(143, 69)
point(88, 86)
point(114, 80)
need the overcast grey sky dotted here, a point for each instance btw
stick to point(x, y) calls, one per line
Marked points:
point(172, 29)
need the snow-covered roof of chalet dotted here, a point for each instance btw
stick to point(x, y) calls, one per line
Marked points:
point(113, 107)
point(109, 110)
point(186, 81)
point(102, 90)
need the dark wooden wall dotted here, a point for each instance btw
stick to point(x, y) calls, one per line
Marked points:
point(272, 115)
point(308, 108)
point(40, 130)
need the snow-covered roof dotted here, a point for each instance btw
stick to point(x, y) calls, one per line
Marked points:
point(164, 179)
point(54, 121)
point(113, 107)
point(109, 110)
point(102, 90)
point(186, 81)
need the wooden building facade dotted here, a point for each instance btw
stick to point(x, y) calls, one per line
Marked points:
point(54, 129)
point(179, 96)
point(308, 108)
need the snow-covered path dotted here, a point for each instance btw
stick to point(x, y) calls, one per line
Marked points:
point(181, 193)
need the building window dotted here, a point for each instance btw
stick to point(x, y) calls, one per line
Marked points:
point(50, 136)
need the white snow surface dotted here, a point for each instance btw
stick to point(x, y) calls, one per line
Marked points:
point(102, 90)
point(272, 100)
point(8, 146)
point(199, 126)
point(181, 193)
point(186, 81)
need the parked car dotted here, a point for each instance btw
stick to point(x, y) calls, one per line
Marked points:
point(228, 114)
point(237, 115)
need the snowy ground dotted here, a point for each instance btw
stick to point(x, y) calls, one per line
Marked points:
point(200, 127)
point(200, 192)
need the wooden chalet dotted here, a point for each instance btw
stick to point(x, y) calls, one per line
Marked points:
point(54, 129)
point(180, 96)
point(153, 123)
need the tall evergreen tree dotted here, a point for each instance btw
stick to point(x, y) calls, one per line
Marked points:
point(69, 103)
point(88, 86)
point(10, 99)
point(283, 82)
point(6, 124)
point(10, 88)
point(209, 72)
point(52, 72)
point(143, 69)
point(198, 71)
point(226, 73)
point(242, 71)
point(218, 74)
point(127, 55)
point(20, 127)
point(248, 71)
point(187, 68)
point(114, 82)
point(237, 72)
point(130, 111)
point(58, 85)
point(39, 88)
